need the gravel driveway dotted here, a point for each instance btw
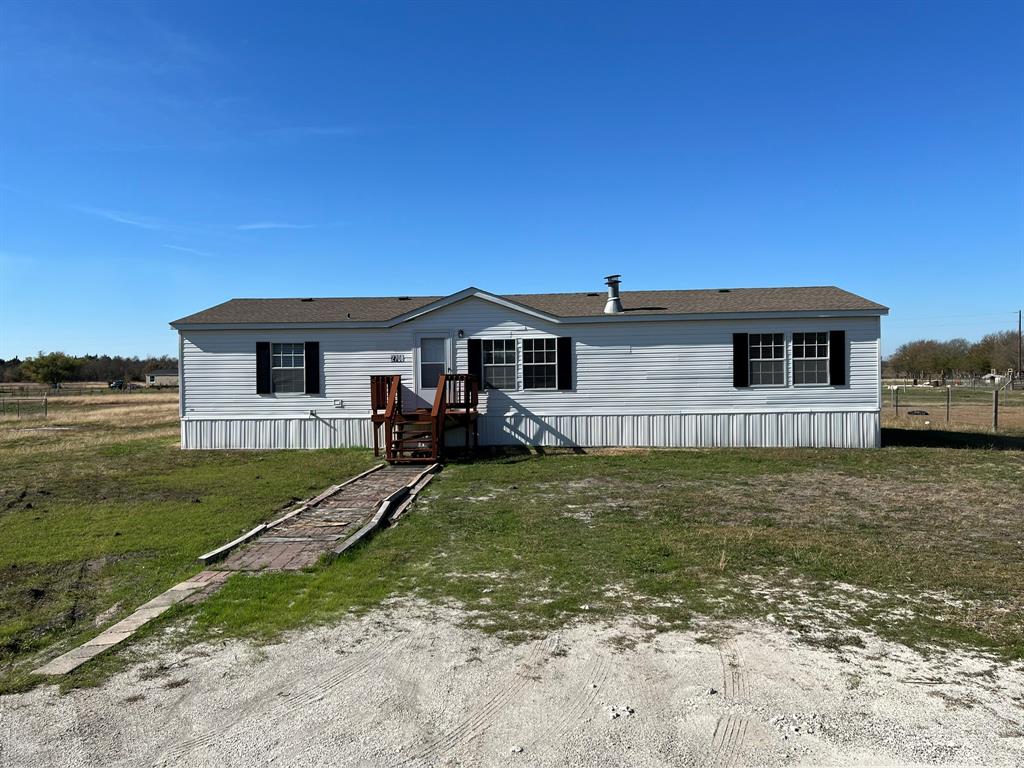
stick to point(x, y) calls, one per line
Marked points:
point(406, 685)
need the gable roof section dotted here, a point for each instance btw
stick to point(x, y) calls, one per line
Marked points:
point(557, 307)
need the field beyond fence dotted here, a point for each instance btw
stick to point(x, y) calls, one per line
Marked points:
point(74, 389)
point(935, 407)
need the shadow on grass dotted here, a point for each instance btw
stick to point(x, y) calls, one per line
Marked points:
point(938, 438)
point(892, 437)
point(506, 454)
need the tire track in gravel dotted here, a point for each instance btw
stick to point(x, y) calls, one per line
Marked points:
point(730, 733)
point(367, 658)
point(477, 723)
point(583, 696)
point(728, 739)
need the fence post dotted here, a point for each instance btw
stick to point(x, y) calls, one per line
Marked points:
point(995, 410)
point(949, 392)
point(46, 410)
point(896, 401)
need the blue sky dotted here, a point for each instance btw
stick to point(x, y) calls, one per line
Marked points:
point(158, 158)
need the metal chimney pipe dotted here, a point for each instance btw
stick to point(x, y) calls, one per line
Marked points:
point(614, 304)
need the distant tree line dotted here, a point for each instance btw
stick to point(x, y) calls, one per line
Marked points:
point(55, 367)
point(955, 358)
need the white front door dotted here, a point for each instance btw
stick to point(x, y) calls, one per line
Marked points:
point(433, 357)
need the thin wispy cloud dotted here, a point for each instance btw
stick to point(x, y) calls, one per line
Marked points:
point(121, 217)
point(256, 225)
point(193, 251)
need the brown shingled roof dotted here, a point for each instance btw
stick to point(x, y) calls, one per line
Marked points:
point(564, 305)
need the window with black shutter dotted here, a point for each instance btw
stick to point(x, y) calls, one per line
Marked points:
point(740, 361)
point(263, 384)
point(837, 358)
point(312, 367)
point(564, 362)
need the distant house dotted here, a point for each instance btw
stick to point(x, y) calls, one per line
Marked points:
point(162, 377)
point(720, 367)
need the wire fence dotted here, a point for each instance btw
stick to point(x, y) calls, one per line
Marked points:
point(41, 390)
point(24, 407)
point(975, 406)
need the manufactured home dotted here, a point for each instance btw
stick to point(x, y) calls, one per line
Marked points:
point(162, 377)
point(753, 367)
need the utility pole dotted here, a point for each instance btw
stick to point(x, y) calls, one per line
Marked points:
point(1020, 367)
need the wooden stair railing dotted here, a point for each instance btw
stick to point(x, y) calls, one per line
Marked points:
point(385, 403)
point(461, 401)
point(419, 436)
point(438, 416)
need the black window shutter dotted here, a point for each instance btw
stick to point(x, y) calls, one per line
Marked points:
point(740, 360)
point(262, 367)
point(312, 367)
point(475, 360)
point(837, 358)
point(564, 347)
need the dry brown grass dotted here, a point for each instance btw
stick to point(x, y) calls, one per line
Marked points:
point(960, 417)
point(76, 421)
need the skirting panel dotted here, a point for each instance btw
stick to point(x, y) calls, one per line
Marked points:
point(846, 429)
point(851, 429)
point(264, 434)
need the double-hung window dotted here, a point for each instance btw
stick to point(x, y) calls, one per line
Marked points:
point(540, 363)
point(767, 359)
point(810, 358)
point(499, 363)
point(288, 367)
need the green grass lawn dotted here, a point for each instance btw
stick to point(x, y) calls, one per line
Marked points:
point(923, 545)
point(933, 537)
point(107, 514)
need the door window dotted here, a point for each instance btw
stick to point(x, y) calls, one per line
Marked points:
point(433, 361)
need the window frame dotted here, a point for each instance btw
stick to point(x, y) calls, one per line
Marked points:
point(292, 354)
point(784, 359)
point(516, 380)
point(827, 359)
point(553, 340)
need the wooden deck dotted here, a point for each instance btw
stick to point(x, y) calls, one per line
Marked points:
point(417, 436)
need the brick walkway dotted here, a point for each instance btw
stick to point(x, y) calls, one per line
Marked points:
point(299, 541)
point(295, 541)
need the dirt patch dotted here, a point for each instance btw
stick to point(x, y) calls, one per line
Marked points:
point(409, 685)
point(969, 507)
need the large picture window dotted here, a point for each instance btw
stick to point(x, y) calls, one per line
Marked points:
point(288, 367)
point(810, 358)
point(499, 363)
point(767, 359)
point(540, 363)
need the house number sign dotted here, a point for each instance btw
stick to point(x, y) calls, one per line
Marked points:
point(398, 358)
